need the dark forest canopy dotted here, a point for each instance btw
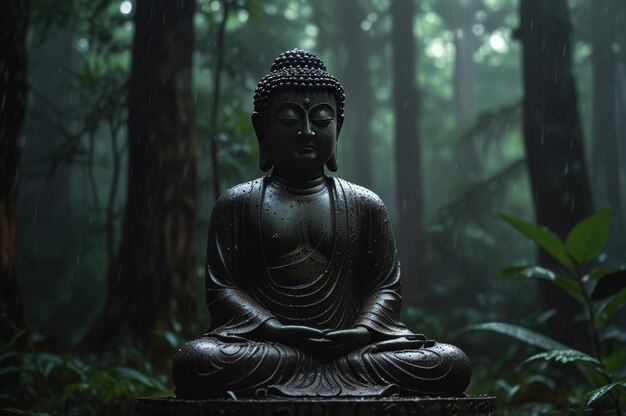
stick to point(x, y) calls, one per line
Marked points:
point(121, 120)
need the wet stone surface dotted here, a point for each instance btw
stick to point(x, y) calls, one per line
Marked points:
point(394, 406)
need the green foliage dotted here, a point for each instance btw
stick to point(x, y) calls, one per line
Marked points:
point(522, 334)
point(608, 284)
point(93, 19)
point(563, 357)
point(563, 281)
point(596, 394)
point(606, 311)
point(60, 384)
point(586, 240)
point(583, 243)
point(544, 238)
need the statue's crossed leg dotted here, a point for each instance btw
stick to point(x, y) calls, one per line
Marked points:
point(212, 366)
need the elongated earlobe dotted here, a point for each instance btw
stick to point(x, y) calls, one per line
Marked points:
point(331, 164)
point(265, 163)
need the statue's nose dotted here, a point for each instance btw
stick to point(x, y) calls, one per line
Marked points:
point(306, 128)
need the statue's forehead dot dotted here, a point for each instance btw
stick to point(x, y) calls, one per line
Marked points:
point(307, 101)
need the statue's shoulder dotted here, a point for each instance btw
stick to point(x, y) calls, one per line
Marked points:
point(365, 197)
point(242, 192)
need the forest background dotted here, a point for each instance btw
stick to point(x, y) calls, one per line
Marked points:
point(457, 110)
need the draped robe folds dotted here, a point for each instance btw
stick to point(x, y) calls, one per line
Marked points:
point(359, 287)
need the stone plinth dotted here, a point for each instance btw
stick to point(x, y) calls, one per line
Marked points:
point(388, 406)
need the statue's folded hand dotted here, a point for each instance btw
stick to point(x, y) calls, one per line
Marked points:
point(294, 335)
point(346, 340)
point(411, 342)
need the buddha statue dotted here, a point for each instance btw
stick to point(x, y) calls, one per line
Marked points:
point(302, 275)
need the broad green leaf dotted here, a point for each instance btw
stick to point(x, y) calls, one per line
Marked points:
point(526, 273)
point(609, 285)
point(596, 394)
point(540, 379)
point(586, 240)
point(17, 336)
point(565, 283)
point(78, 368)
point(571, 287)
point(600, 273)
point(544, 238)
point(15, 411)
point(520, 333)
point(512, 272)
point(563, 356)
point(7, 355)
point(46, 362)
point(71, 390)
point(616, 359)
point(594, 375)
point(135, 375)
point(610, 308)
point(9, 369)
point(173, 339)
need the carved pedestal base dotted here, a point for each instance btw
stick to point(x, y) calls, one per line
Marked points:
point(388, 406)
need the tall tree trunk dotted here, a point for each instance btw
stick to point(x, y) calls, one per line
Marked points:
point(605, 118)
point(358, 89)
point(553, 141)
point(215, 106)
point(153, 280)
point(411, 237)
point(13, 94)
point(468, 163)
point(464, 64)
point(620, 117)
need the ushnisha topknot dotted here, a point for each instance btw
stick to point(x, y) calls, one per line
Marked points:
point(297, 68)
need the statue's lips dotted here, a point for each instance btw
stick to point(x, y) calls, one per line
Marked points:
point(306, 148)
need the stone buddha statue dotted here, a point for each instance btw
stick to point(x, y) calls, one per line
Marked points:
point(302, 275)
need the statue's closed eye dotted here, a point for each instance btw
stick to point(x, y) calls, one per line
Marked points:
point(322, 115)
point(288, 116)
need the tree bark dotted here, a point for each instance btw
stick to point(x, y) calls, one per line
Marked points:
point(153, 279)
point(553, 141)
point(411, 238)
point(13, 99)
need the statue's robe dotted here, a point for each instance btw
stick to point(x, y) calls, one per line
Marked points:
point(359, 286)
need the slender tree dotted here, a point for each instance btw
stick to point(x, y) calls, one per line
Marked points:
point(152, 280)
point(605, 120)
point(464, 46)
point(553, 139)
point(411, 237)
point(215, 107)
point(13, 94)
point(358, 89)
point(468, 160)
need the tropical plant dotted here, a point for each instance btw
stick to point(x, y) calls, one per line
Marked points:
point(601, 292)
point(47, 383)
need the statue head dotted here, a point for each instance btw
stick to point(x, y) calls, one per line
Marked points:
point(298, 113)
